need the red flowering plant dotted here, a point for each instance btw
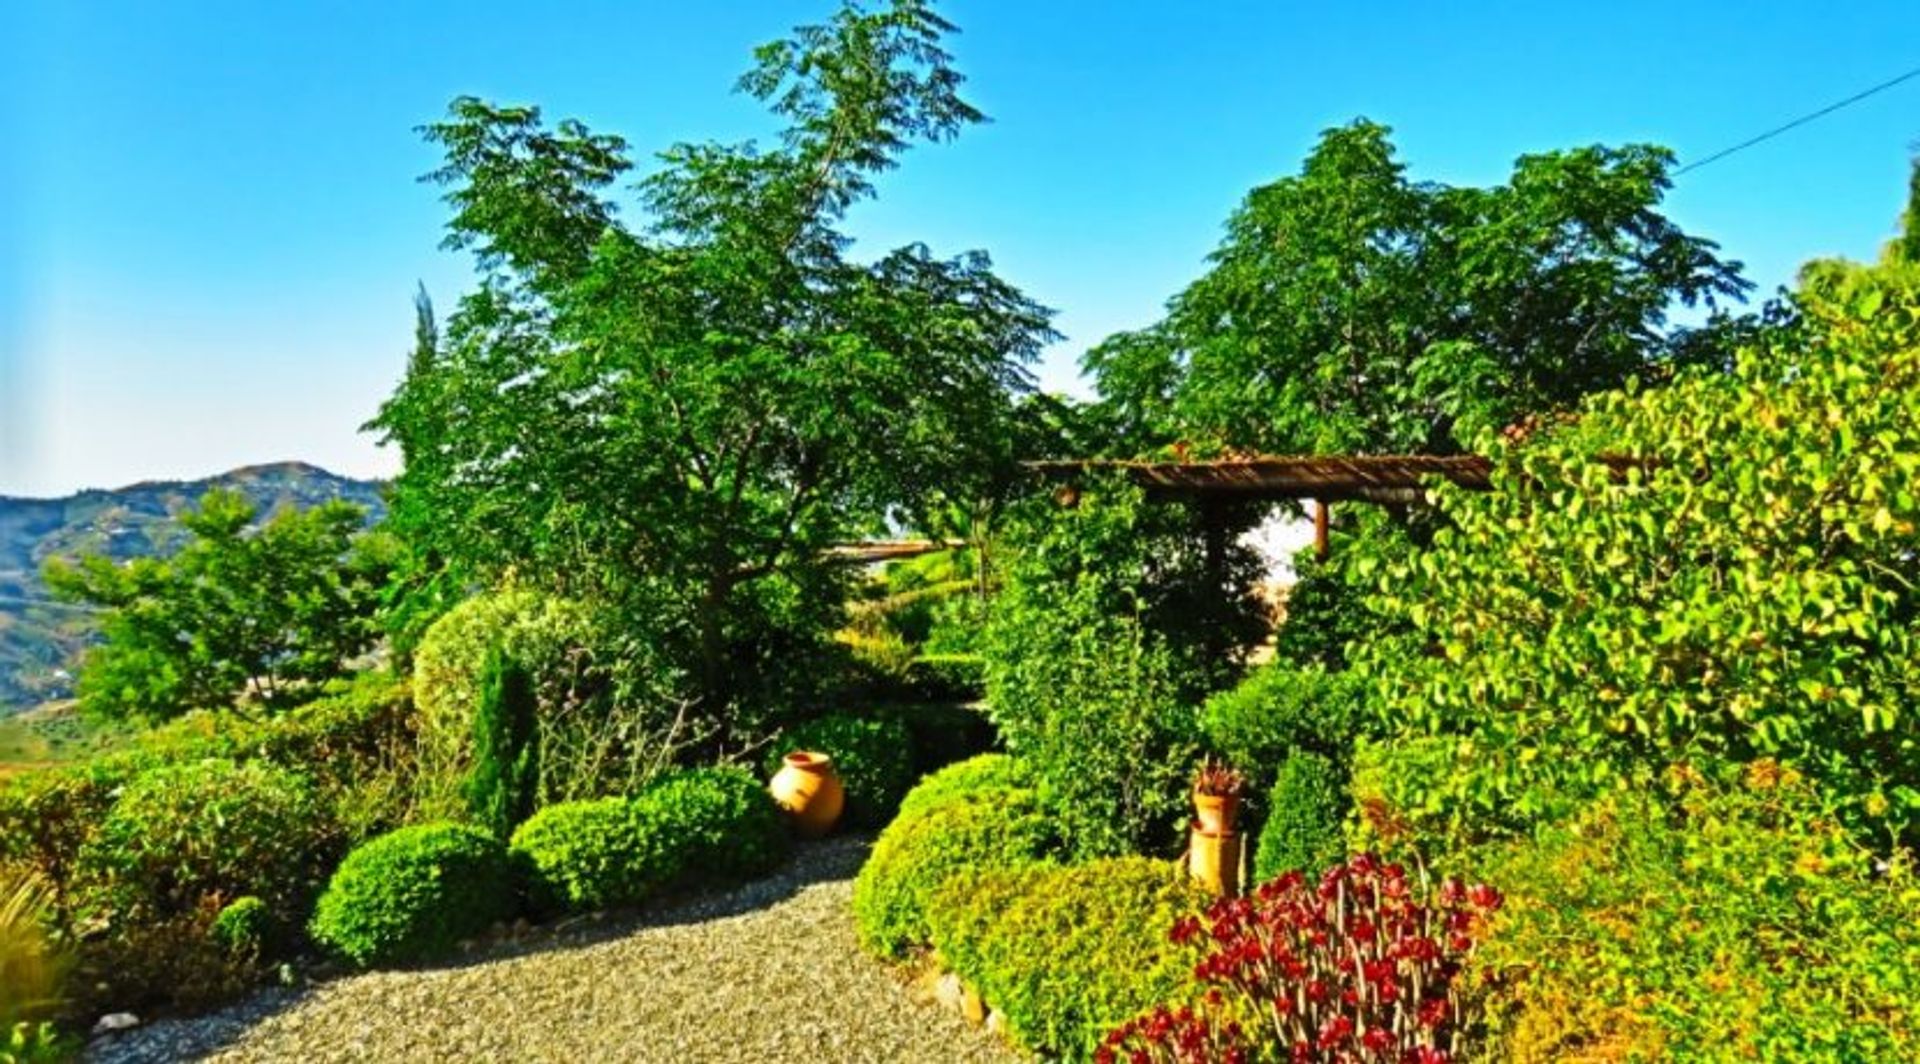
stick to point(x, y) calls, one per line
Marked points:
point(1358, 968)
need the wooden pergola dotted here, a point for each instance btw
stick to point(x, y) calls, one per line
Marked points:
point(1391, 479)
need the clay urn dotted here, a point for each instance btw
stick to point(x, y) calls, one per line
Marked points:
point(1213, 860)
point(809, 790)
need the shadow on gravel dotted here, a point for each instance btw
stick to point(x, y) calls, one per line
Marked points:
point(192, 1038)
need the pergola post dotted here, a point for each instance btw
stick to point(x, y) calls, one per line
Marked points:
point(1320, 521)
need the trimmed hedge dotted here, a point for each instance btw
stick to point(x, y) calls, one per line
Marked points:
point(1306, 815)
point(1067, 953)
point(968, 779)
point(414, 894)
point(965, 830)
point(1281, 708)
point(873, 756)
point(698, 826)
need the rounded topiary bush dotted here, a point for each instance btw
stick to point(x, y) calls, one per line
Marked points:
point(994, 829)
point(1306, 814)
point(967, 780)
point(215, 828)
point(873, 756)
point(1067, 953)
point(584, 856)
point(243, 926)
point(414, 894)
point(1280, 708)
point(721, 822)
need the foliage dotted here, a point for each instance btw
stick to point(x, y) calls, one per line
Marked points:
point(1745, 587)
point(1362, 964)
point(181, 835)
point(702, 825)
point(504, 783)
point(1306, 811)
point(33, 965)
point(1115, 619)
point(1325, 612)
point(967, 780)
point(973, 826)
point(413, 894)
point(873, 757)
point(1350, 309)
point(604, 722)
point(1748, 925)
point(591, 855)
point(244, 926)
point(941, 733)
point(270, 611)
point(353, 744)
point(1280, 709)
point(36, 1043)
point(948, 676)
point(1065, 953)
point(677, 416)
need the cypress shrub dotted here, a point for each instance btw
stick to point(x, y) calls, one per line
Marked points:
point(504, 783)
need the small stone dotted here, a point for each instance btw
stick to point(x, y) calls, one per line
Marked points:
point(115, 1021)
point(996, 1023)
point(951, 993)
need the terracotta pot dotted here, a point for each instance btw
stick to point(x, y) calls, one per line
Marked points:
point(809, 790)
point(1217, 812)
point(1213, 860)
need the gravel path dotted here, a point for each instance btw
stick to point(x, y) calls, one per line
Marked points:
point(767, 973)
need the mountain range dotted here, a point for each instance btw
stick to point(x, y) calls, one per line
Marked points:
point(41, 640)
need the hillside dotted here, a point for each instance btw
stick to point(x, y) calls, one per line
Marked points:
point(39, 639)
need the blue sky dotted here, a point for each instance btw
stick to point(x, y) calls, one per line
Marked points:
point(210, 229)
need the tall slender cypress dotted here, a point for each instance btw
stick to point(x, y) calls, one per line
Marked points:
point(504, 783)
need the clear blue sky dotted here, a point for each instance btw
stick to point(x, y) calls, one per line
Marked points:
point(210, 229)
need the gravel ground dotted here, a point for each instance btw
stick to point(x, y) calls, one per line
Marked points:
point(767, 973)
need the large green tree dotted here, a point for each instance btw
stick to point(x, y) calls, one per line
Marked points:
point(1352, 309)
point(676, 415)
point(246, 614)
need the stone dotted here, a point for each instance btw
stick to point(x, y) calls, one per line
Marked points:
point(115, 1021)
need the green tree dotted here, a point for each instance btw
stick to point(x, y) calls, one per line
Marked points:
point(1350, 309)
point(676, 416)
point(504, 783)
point(1750, 592)
point(259, 612)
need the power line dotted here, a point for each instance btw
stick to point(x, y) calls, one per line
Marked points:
point(1801, 121)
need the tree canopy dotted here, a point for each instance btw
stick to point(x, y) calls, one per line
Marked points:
point(1352, 309)
point(678, 414)
point(260, 612)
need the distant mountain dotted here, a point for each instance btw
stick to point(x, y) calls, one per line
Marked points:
point(41, 640)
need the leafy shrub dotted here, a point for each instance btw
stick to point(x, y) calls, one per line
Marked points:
point(604, 711)
point(1358, 964)
point(973, 779)
point(1749, 927)
point(1748, 589)
point(1066, 953)
point(33, 967)
point(916, 854)
point(1306, 812)
point(701, 825)
point(873, 756)
point(414, 893)
point(504, 781)
point(1281, 708)
point(244, 926)
point(212, 829)
point(169, 961)
point(1325, 612)
point(36, 1043)
point(1112, 625)
point(721, 821)
point(585, 856)
point(942, 733)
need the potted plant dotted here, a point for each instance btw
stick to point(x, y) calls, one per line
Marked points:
point(1216, 797)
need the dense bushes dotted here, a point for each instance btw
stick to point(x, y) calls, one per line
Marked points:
point(872, 755)
point(1747, 587)
point(1748, 927)
point(214, 829)
point(414, 894)
point(1280, 708)
point(971, 817)
point(1306, 811)
point(1112, 626)
point(604, 711)
point(708, 825)
point(1067, 953)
